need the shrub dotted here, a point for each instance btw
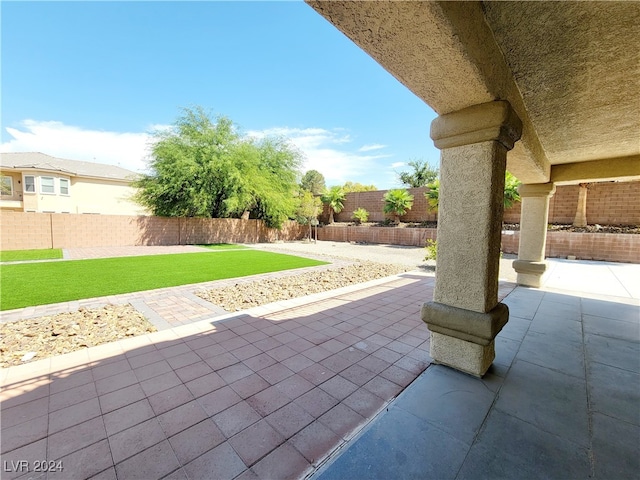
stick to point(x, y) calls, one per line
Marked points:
point(432, 249)
point(360, 215)
point(397, 202)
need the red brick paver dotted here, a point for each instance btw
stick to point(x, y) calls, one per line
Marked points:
point(259, 395)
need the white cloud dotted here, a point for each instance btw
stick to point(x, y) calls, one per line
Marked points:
point(397, 164)
point(326, 151)
point(127, 150)
point(368, 148)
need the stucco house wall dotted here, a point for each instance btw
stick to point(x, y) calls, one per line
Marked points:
point(35, 182)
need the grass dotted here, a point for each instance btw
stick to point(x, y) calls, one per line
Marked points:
point(30, 284)
point(22, 255)
point(223, 246)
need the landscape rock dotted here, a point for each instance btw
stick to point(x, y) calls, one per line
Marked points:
point(37, 338)
point(246, 295)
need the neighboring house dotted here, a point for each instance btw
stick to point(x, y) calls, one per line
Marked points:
point(35, 182)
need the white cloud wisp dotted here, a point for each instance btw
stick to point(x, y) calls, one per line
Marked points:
point(127, 150)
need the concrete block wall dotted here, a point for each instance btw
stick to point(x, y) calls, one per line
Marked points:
point(585, 246)
point(21, 230)
point(608, 203)
point(25, 231)
point(373, 202)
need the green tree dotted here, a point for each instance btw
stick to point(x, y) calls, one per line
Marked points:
point(422, 173)
point(204, 168)
point(397, 202)
point(432, 195)
point(510, 195)
point(350, 187)
point(308, 208)
point(334, 198)
point(313, 181)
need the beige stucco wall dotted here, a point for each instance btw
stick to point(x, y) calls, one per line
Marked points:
point(86, 195)
point(105, 197)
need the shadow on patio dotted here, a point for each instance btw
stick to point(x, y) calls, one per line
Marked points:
point(264, 396)
point(272, 395)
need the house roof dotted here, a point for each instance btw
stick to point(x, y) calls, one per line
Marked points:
point(41, 161)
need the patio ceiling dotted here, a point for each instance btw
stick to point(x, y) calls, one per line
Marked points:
point(571, 71)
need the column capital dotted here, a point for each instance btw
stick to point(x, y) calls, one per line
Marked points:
point(495, 121)
point(537, 189)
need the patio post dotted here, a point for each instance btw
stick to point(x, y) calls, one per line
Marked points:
point(534, 215)
point(465, 316)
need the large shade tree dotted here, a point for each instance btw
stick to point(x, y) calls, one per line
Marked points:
point(421, 174)
point(205, 168)
point(350, 187)
point(313, 181)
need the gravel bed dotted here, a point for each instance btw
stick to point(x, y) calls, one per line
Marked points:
point(247, 295)
point(43, 337)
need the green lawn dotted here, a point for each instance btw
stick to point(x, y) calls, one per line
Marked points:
point(29, 284)
point(21, 255)
point(223, 246)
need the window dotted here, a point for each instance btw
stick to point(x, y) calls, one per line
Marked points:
point(46, 185)
point(30, 184)
point(6, 187)
point(64, 186)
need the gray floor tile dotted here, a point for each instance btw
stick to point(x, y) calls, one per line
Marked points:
point(614, 392)
point(549, 351)
point(505, 350)
point(571, 300)
point(616, 311)
point(399, 445)
point(608, 327)
point(613, 352)
point(522, 307)
point(555, 402)
point(510, 448)
point(615, 448)
point(563, 328)
point(561, 310)
point(515, 329)
point(452, 401)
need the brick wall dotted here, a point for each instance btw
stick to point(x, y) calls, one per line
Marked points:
point(45, 230)
point(608, 203)
point(585, 246)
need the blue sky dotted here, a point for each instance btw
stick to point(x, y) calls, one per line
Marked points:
point(90, 80)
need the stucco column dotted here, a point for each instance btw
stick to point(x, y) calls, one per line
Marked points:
point(465, 316)
point(534, 215)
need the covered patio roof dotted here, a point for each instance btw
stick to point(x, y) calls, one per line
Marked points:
point(570, 70)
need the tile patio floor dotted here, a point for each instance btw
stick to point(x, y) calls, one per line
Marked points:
point(270, 392)
point(265, 394)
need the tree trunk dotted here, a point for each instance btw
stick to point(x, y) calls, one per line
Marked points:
point(330, 215)
point(580, 220)
point(245, 215)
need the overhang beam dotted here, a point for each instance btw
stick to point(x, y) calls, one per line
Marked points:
point(620, 169)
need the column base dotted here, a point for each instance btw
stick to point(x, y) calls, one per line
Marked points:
point(464, 339)
point(465, 356)
point(530, 274)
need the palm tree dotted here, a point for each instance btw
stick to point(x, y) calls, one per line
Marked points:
point(510, 195)
point(432, 195)
point(334, 198)
point(397, 202)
